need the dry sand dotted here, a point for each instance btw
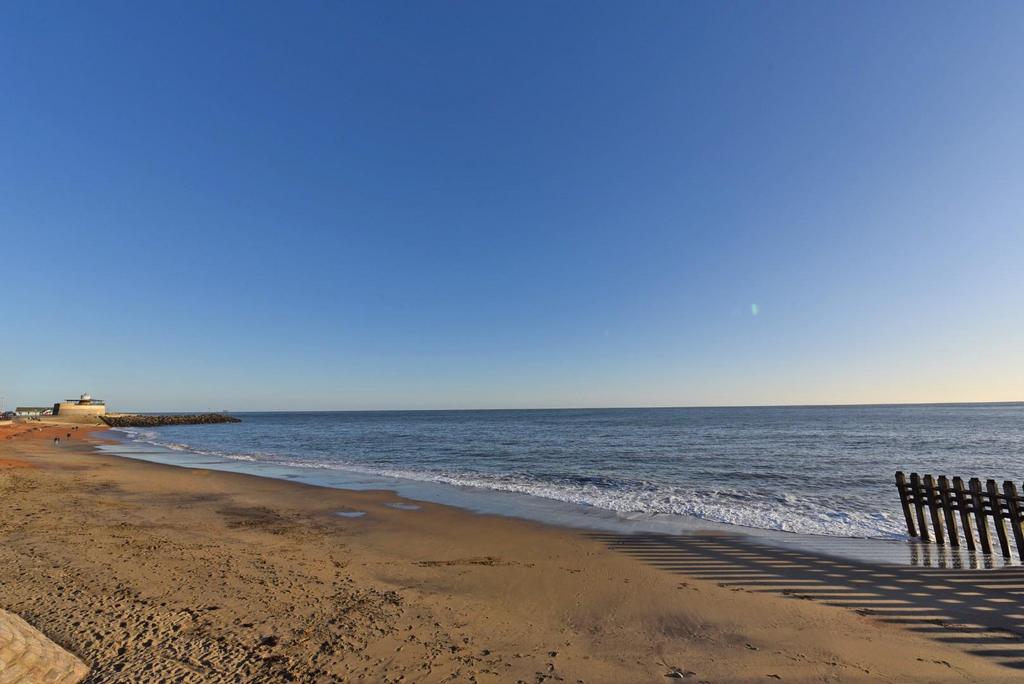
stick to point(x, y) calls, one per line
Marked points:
point(154, 573)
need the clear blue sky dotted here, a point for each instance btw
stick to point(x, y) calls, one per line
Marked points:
point(464, 204)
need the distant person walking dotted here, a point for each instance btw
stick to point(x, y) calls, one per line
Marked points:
point(56, 441)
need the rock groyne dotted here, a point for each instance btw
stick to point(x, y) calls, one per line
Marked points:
point(143, 420)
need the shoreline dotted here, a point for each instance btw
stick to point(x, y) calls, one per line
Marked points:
point(226, 573)
point(813, 472)
point(557, 512)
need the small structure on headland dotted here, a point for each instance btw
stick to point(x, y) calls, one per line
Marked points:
point(33, 411)
point(84, 406)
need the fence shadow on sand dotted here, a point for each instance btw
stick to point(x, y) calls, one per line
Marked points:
point(981, 611)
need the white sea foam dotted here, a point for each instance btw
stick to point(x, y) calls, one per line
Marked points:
point(811, 470)
point(732, 507)
point(788, 513)
point(151, 437)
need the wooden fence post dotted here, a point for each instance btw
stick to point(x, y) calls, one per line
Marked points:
point(933, 508)
point(975, 502)
point(963, 504)
point(901, 487)
point(1010, 490)
point(915, 485)
point(997, 517)
point(947, 508)
point(979, 515)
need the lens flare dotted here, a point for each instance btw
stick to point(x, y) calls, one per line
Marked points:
point(754, 309)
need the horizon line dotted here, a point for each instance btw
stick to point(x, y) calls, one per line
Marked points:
point(602, 408)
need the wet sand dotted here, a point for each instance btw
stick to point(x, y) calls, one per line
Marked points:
point(157, 573)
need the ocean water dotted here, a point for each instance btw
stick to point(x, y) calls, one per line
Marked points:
point(812, 470)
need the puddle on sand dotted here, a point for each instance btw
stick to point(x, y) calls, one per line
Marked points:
point(350, 514)
point(402, 506)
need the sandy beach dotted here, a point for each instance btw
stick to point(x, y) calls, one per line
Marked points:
point(511, 342)
point(158, 573)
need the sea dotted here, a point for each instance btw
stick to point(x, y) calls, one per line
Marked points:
point(809, 470)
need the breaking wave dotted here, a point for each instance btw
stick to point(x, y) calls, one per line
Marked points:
point(809, 470)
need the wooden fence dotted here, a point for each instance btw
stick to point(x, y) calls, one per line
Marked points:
point(973, 506)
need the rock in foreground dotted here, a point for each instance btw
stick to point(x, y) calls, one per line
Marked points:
point(140, 420)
